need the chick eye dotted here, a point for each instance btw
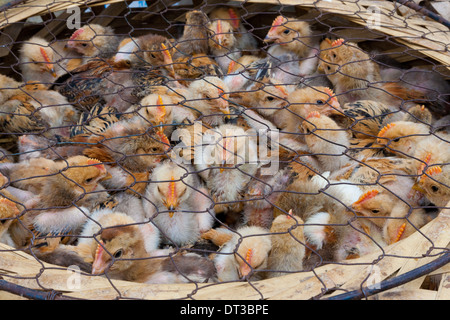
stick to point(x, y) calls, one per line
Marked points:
point(118, 254)
point(396, 140)
point(375, 211)
point(154, 149)
point(434, 188)
point(334, 55)
point(320, 102)
point(287, 31)
point(328, 67)
point(152, 55)
point(89, 180)
point(270, 98)
point(84, 44)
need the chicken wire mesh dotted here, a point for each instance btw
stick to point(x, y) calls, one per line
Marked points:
point(203, 144)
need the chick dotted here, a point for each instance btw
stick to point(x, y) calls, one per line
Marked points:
point(327, 141)
point(226, 161)
point(129, 150)
point(245, 40)
point(434, 185)
point(150, 50)
point(264, 98)
point(244, 256)
point(301, 103)
point(197, 66)
point(44, 62)
point(222, 43)
point(293, 36)
point(207, 100)
point(67, 196)
point(35, 108)
point(106, 218)
point(365, 118)
point(177, 203)
point(93, 40)
point(119, 81)
point(355, 76)
point(402, 222)
point(386, 209)
point(121, 254)
point(262, 195)
point(288, 246)
point(408, 139)
point(31, 174)
point(157, 112)
point(195, 36)
point(9, 211)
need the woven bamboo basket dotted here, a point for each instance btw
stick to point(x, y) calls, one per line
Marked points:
point(404, 34)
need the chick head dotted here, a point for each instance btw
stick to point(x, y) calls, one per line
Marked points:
point(117, 247)
point(294, 35)
point(252, 254)
point(37, 55)
point(402, 137)
point(83, 174)
point(172, 185)
point(221, 35)
point(89, 39)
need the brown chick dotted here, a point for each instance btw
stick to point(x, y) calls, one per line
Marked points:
point(121, 254)
point(9, 210)
point(197, 66)
point(288, 246)
point(326, 140)
point(31, 174)
point(402, 222)
point(195, 36)
point(291, 36)
point(355, 76)
point(301, 103)
point(93, 40)
point(385, 209)
point(408, 139)
point(264, 98)
point(68, 195)
point(148, 50)
point(434, 184)
point(107, 218)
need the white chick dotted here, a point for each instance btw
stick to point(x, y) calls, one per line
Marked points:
point(177, 203)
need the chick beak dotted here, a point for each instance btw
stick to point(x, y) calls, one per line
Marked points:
point(418, 188)
point(224, 107)
point(172, 199)
point(219, 34)
point(106, 177)
point(51, 70)
point(270, 39)
point(99, 266)
point(223, 166)
point(244, 268)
